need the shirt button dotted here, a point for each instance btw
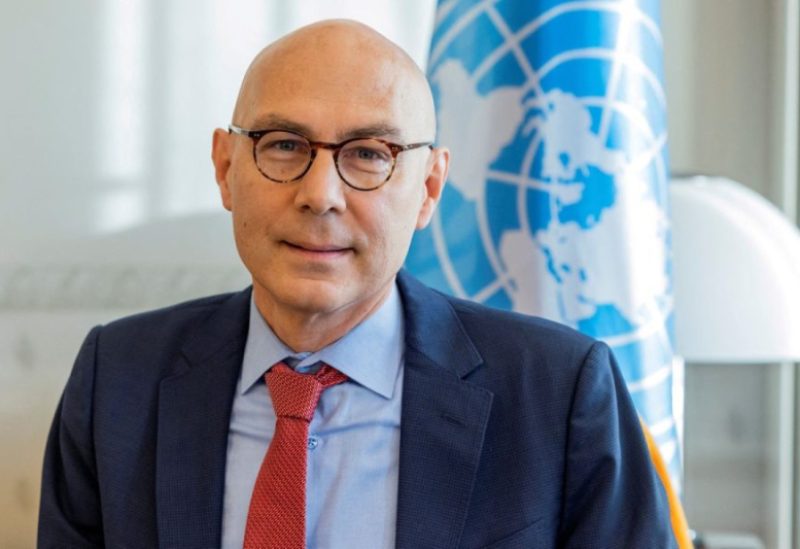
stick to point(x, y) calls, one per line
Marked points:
point(313, 442)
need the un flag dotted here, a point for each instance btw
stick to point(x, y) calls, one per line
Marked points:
point(556, 202)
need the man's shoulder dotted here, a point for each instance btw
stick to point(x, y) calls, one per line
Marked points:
point(510, 345)
point(186, 310)
point(515, 325)
point(499, 326)
point(518, 339)
point(177, 324)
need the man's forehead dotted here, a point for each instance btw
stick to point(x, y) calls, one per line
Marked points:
point(341, 70)
point(328, 107)
point(275, 121)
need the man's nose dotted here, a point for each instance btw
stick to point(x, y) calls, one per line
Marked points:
point(321, 189)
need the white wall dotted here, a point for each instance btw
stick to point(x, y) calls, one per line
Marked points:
point(727, 87)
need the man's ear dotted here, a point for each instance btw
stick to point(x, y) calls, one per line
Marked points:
point(434, 184)
point(221, 149)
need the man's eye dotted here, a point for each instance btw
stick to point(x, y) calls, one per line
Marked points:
point(367, 154)
point(285, 145)
point(282, 147)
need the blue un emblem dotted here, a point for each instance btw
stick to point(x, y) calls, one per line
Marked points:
point(555, 203)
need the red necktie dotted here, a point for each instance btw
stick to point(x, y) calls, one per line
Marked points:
point(277, 516)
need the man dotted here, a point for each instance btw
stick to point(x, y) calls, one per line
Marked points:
point(450, 424)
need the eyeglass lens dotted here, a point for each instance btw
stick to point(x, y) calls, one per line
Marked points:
point(362, 163)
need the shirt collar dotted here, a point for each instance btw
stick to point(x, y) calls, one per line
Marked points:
point(370, 354)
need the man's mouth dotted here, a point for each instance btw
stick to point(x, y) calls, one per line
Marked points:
point(317, 248)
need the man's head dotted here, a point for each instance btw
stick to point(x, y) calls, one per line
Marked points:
point(320, 252)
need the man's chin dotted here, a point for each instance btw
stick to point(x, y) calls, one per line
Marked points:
point(310, 296)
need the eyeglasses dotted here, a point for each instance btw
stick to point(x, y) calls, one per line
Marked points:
point(363, 163)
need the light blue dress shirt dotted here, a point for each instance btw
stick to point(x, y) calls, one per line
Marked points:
point(354, 437)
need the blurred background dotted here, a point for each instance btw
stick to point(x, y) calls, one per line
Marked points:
point(108, 204)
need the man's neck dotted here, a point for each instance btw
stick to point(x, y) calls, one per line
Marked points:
point(310, 331)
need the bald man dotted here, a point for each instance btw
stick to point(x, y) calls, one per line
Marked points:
point(438, 422)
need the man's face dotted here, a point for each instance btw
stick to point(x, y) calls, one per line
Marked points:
point(316, 246)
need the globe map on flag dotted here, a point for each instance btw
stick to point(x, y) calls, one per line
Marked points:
point(555, 204)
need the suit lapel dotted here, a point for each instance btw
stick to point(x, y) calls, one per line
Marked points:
point(443, 422)
point(194, 415)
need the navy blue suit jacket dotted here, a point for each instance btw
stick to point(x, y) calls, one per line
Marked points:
point(515, 433)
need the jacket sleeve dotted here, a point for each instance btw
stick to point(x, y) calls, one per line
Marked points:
point(613, 496)
point(69, 512)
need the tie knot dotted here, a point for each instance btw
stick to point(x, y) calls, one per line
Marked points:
point(296, 395)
